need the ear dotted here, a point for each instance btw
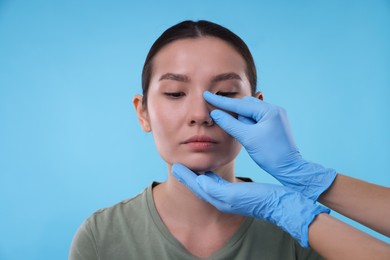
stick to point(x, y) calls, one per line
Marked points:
point(142, 113)
point(259, 95)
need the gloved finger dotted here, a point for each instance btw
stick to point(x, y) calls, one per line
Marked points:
point(216, 178)
point(246, 120)
point(216, 189)
point(242, 107)
point(252, 99)
point(183, 174)
point(229, 124)
point(188, 178)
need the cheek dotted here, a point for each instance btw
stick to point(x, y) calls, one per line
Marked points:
point(162, 125)
point(165, 124)
point(233, 146)
point(165, 119)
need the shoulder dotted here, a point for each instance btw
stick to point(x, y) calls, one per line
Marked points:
point(126, 210)
point(116, 210)
point(120, 222)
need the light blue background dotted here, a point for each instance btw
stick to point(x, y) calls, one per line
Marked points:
point(69, 139)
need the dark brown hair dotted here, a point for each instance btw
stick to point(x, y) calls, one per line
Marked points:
point(192, 29)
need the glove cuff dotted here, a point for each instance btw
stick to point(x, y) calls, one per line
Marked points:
point(308, 178)
point(303, 240)
point(294, 213)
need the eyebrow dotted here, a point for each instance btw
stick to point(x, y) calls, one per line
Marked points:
point(176, 77)
point(184, 78)
point(226, 76)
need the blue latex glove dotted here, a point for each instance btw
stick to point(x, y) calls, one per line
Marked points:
point(264, 131)
point(280, 205)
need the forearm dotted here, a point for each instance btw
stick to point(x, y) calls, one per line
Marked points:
point(334, 239)
point(361, 201)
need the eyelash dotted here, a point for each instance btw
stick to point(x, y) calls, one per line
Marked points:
point(177, 95)
point(226, 94)
point(174, 95)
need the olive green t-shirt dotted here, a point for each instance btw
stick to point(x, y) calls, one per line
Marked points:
point(132, 229)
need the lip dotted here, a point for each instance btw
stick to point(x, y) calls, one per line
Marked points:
point(200, 143)
point(200, 139)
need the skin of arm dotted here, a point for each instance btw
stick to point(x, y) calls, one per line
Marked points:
point(334, 239)
point(361, 201)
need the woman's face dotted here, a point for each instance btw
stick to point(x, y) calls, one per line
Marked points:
point(177, 114)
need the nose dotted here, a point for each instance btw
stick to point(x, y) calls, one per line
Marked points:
point(199, 112)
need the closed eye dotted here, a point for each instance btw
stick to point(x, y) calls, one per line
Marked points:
point(174, 95)
point(226, 94)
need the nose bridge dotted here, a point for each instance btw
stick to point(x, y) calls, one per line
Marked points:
point(199, 110)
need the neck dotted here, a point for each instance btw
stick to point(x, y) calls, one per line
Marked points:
point(196, 224)
point(175, 202)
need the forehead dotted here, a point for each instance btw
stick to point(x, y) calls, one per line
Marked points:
point(195, 55)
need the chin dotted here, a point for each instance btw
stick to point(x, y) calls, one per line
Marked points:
point(200, 170)
point(204, 165)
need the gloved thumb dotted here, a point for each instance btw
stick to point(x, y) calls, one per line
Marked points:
point(215, 187)
point(188, 178)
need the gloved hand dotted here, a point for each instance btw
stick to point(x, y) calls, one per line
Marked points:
point(264, 131)
point(280, 205)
